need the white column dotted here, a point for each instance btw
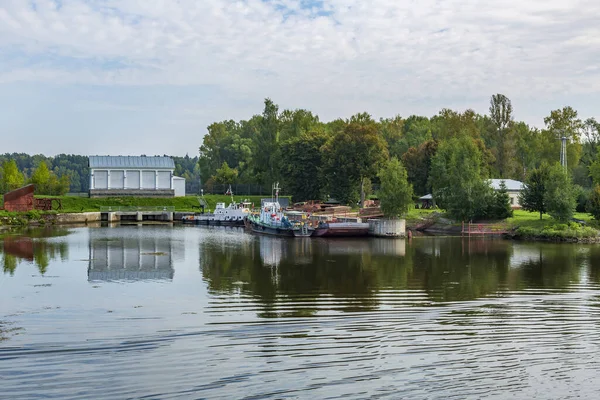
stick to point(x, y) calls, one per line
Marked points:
point(140, 181)
point(172, 177)
point(108, 179)
point(155, 179)
point(91, 178)
point(124, 179)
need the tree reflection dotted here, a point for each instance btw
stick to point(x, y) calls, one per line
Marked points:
point(296, 277)
point(33, 245)
point(452, 269)
point(549, 265)
point(292, 277)
point(594, 263)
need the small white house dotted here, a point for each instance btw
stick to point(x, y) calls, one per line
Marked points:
point(133, 176)
point(513, 187)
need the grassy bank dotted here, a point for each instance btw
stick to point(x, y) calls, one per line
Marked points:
point(417, 216)
point(188, 203)
point(526, 225)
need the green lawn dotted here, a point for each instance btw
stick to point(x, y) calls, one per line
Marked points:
point(532, 220)
point(83, 204)
point(415, 215)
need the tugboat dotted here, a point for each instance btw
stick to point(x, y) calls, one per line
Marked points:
point(271, 219)
point(232, 215)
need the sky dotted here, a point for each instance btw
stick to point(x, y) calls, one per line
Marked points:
point(130, 77)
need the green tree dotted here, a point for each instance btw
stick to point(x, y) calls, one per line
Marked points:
point(501, 205)
point(457, 179)
point(63, 185)
point(562, 122)
point(41, 179)
point(225, 174)
point(302, 165)
point(595, 170)
point(533, 196)
point(502, 120)
point(418, 165)
point(560, 198)
point(12, 178)
point(391, 130)
point(594, 203)
point(294, 123)
point(395, 194)
point(355, 153)
point(266, 144)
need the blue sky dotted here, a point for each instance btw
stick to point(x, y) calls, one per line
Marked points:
point(133, 77)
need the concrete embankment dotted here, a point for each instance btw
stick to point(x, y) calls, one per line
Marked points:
point(387, 227)
point(74, 218)
point(84, 218)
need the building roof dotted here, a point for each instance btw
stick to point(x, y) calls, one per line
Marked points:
point(131, 162)
point(426, 197)
point(511, 184)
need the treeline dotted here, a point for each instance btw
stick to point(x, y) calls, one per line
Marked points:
point(315, 159)
point(70, 173)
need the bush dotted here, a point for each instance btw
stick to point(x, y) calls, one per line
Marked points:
point(568, 231)
point(593, 206)
point(559, 197)
point(583, 198)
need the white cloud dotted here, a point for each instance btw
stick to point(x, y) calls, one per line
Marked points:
point(341, 56)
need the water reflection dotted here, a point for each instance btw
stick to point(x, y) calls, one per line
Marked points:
point(33, 245)
point(386, 318)
point(130, 254)
point(355, 274)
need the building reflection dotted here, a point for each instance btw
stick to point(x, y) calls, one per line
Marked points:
point(130, 254)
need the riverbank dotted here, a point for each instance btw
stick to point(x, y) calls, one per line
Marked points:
point(73, 204)
point(522, 226)
point(84, 209)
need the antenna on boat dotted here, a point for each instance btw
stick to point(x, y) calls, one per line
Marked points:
point(230, 192)
point(276, 189)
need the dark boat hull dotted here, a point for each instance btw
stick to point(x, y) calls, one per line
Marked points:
point(342, 230)
point(299, 233)
point(214, 222)
point(269, 230)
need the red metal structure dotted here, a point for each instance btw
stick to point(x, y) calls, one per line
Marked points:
point(22, 199)
point(19, 200)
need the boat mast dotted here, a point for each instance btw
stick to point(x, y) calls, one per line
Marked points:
point(276, 188)
point(231, 193)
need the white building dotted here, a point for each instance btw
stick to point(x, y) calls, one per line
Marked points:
point(134, 176)
point(513, 187)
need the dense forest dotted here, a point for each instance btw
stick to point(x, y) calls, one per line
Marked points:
point(313, 158)
point(73, 170)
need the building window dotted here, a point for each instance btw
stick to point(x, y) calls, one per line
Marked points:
point(512, 201)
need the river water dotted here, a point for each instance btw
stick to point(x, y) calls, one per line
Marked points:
point(161, 312)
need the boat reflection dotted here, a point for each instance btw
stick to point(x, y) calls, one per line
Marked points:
point(129, 254)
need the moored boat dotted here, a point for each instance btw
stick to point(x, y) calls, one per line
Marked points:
point(271, 219)
point(232, 215)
